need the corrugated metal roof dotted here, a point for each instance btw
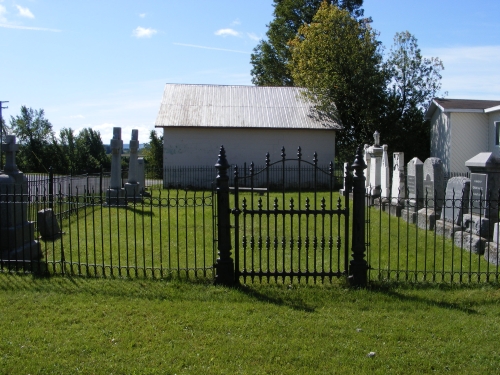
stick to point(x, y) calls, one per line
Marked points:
point(466, 103)
point(237, 107)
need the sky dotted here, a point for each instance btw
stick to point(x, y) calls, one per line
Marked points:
point(104, 64)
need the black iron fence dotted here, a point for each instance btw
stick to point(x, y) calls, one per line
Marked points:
point(454, 238)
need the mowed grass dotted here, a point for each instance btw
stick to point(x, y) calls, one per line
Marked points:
point(64, 325)
point(174, 234)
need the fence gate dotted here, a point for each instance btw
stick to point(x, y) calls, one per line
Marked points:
point(288, 223)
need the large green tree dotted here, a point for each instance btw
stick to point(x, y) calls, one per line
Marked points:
point(271, 56)
point(153, 154)
point(339, 62)
point(34, 133)
point(413, 82)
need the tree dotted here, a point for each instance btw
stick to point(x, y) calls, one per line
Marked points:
point(338, 60)
point(153, 153)
point(34, 133)
point(271, 56)
point(413, 82)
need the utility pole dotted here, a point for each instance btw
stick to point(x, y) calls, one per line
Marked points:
point(1, 129)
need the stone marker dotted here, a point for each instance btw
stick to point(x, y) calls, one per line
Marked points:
point(47, 224)
point(141, 174)
point(344, 191)
point(375, 153)
point(132, 187)
point(367, 159)
point(456, 200)
point(479, 193)
point(115, 193)
point(385, 174)
point(414, 179)
point(17, 244)
point(433, 184)
point(398, 191)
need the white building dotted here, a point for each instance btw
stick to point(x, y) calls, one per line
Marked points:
point(248, 121)
point(460, 129)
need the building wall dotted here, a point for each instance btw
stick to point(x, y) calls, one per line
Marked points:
point(440, 138)
point(189, 146)
point(492, 118)
point(469, 137)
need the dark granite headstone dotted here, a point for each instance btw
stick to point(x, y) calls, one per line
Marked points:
point(456, 199)
point(478, 193)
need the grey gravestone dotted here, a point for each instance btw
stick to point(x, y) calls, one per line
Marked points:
point(47, 224)
point(434, 183)
point(415, 171)
point(478, 193)
point(456, 200)
point(385, 174)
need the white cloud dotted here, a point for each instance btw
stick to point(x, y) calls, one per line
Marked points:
point(470, 72)
point(226, 32)
point(254, 36)
point(212, 48)
point(11, 26)
point(24, 12)
point(77, 117)
point(236, 22)
point(142, 15)
point(3, 11)
point(141, 32)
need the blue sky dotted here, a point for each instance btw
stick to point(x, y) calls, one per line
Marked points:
point(104, 63)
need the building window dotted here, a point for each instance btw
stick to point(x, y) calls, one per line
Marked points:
point(497, 133)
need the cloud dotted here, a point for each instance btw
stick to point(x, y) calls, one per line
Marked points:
point(3, 11)
point(141, 32)
point(470, 72)
point(212, 48)
point(24, 12)
point(142, 15)
point(77, 117)
point(11, 26)
point(236, 22)
point(226, 32)
point(254, 37)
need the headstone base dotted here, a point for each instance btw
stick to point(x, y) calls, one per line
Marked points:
point(492, 253)
point(115, 197)
point(27, 252)
point(446, 229)
point(409, 216)
point(426, 219)
point(13, 237)
point(381, 203)
point(395, 209)
point(470, 242)
point(133, 192)
point(480, 226)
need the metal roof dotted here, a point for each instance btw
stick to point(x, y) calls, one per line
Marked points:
point(237, 107)
point(461, 105)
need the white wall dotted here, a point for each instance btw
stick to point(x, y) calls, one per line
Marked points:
point(469, 137)
point(200, 146)
point(493, 117)
point(440, 138)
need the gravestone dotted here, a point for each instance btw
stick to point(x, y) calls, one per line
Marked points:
point(456, 200)
point(375, 152)
point(115, 194)
point(398, 191)
point(414, 180)
point(345, 189)
point(17, 244)
point(132, 187)
point(479, 193)
point(385, 174)
point(433, 184)
point(47, 224)
point(367, 159)
point(141, 174)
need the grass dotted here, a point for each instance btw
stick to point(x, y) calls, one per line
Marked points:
point(64, 325)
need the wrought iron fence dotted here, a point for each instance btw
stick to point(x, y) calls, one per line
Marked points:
point(428, 239)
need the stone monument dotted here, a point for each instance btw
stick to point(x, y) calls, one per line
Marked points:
point(398, 190)
point(375, 153)
point(385, 175)
point(133, 187)
point(141, 175)
point(367, 160)
point(345, 189)
point(115, 195)
point(433, 184)
point(18, 245)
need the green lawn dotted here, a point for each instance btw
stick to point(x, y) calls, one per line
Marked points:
point(64, 325)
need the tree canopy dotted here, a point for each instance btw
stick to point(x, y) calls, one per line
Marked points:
point(271, 56)
point(338, 60)
point(153, 153)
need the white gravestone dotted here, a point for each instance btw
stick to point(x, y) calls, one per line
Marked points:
point(385, 174)
point(415, 180)
point(375, 153)
point(433, 184)
point(398, 191)
point(367, 159)
point(132, 187)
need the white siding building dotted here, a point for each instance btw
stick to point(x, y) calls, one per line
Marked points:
point(460, 129)
point(248, 121)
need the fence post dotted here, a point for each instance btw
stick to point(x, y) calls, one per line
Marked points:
point(51, 188)
point(358, 272)
point(224, 267)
